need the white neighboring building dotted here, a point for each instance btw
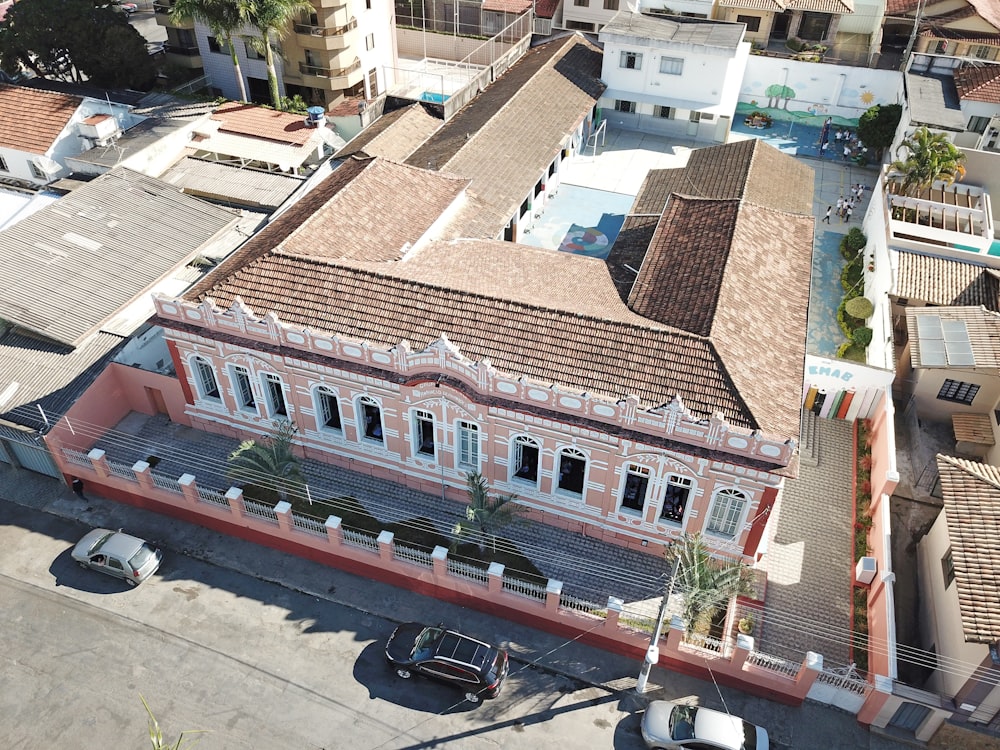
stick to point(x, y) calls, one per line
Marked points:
point(673, 75)
point(39, 130)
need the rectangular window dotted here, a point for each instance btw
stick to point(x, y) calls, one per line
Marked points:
point(978, 124)
point(695, 117)
point(667, 113)
point(621, 105)
point(328, 410)
point(372, 416)
point(35, 171)
point(581, 3)
point(675, 499)
point(213, 45)
point(525, 460)
point(948, 568)
point(370, 42)
point(939, 47)
point(983, 52)
point(423, 433)
point(242, 388)
point(206, 379)
point(373, 84)
point(636, 483)
point(958, 392)
point(727, 508)
point(252, 53)
point(572, 471)
point(610, 4)
point(672, 66)
point(3, 165)
point(630, 60)
point(468, 445)
point(752, 22)
point(707, 117)
point(275, 392)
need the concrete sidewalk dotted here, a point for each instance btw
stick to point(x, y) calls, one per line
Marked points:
point(810, 725)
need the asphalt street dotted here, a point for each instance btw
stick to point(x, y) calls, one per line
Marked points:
point(267, 650)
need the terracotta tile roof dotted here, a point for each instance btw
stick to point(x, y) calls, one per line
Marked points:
point(971, 494)
point(384, 210)
point(900, 7)
point(838, 7)
point(980, 83)
point(983, 329)
point(941, 281)
point(395, 135)
point(31, 120)
point(546, 8)
point(988, 10)
point(505, 138)
point(507, 6)
point(346, 106)
point(973, 428)
point(258, 122)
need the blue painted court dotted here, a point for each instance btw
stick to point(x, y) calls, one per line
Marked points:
point(580, 220)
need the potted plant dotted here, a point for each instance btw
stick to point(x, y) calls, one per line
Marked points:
point(745, 624)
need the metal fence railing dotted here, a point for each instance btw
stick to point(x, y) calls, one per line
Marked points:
point(465, 570)
point(524, 588)
point(166, 483)
point(259, 509)
point(361, 539)
point(309, 524)
point(412, 555)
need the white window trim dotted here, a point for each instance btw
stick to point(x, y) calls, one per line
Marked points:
point(321, 426)
point(417, 417)
point(199, 384)
point(232, 370)
point(623, 57)
point(633, 468)
point(677, 480)
point(557, 469)
point(359, 409)
point(515, 441)
point(740, 521)
point(269, 407)
point(475, 465)
point(672, 61)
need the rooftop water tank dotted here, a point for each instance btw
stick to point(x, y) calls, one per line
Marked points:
point(315, 117)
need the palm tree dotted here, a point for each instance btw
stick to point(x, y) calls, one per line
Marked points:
point(929, 157)
point(706, 583)
point(273, 18)
point(486, 515)
point(223, 18)
point(269, 463)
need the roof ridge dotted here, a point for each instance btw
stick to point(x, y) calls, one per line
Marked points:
point(971, 468)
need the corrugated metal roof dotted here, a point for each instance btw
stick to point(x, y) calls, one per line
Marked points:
point(246, 187)
point(67, 268)
point(934, 102)
point(258, 149)
point(36, 372)
point(675, 29)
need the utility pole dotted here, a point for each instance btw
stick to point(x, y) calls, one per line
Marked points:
point(653, 652)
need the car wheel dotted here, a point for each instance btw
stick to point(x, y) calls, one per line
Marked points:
point(472, 697)
point(83, 565)
point(404, 673)
point(131, 582)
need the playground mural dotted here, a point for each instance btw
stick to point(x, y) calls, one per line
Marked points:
point(814, 93)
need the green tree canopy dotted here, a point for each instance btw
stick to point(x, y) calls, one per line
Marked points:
point(487, 514)
point(877, 126)
point(224, 18)
point(269, 463)
point(75, 40)
point(706, 583)
point(928, 157)
point(273, 18)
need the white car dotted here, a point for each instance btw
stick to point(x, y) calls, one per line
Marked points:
point(672, 726)
point(116, 554)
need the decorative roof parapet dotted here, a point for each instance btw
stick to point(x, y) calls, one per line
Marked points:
point(670, 420)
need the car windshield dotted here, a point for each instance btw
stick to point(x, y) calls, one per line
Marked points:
point(99, 543)
point(682, 723)
point(749, 736)
point(424, 645)
point(143, 556)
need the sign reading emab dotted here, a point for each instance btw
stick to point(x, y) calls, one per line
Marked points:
point(830, 372)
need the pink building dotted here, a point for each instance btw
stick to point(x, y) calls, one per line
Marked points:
point(632, 399)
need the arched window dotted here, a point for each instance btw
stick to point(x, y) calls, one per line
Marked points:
point(675, 499)
point(274, 393)
point(524, 456)
point(728, 507)
point(572, 471)
point(636, 485)
point(242, 388)
point(327, 409)
point(370, 420)
point(422, 425)
point(204, 375)
point(467, 442)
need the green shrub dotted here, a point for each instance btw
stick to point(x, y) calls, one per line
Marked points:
point(853, 243)
point(851, 352)
point(418, 532)
point(862, 336)
point(507, 554)
point(852, 274)
point(266, 495)
point(352, 514)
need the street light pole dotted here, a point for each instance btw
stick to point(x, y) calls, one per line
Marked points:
point(653, 652)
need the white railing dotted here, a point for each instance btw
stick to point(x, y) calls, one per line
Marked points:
point(844, 678)
point(774, 663)
point(121, 470)
point(637, 620)
point(309, 524)
point(465, 570)
point(80, 458)
point(716, 646)
point(214, 497)
point(524, 588)
point(412, 555)
point(361, 539)
point(259, 509)
point(568, 601)
point(166, 483)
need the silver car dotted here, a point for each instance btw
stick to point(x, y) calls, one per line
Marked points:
point(671, 726)
point(117, 554)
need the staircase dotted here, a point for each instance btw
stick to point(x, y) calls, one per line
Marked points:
point(809, 439)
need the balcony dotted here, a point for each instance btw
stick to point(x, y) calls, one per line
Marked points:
point(334, 78)
point(325, 37)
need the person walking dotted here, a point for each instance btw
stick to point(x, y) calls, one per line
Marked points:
point(829, 210)
point(822, 149)
point(847, 214)
point(847, 152)
point(840, 205)
point(78, 488)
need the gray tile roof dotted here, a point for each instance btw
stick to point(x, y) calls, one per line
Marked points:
point(230, 184)
point(70, 266)
point(679, 30)
point(395, 135)
point(942, 281)
point(131, 142)
point(934, 102)
point(971, 494)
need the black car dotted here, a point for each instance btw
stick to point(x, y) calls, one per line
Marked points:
point(451, 657)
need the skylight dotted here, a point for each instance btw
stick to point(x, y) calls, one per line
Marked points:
point(944, 342)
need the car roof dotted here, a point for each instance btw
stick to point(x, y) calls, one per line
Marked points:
point(122, 545)
point(719, 728)
point(462, 648)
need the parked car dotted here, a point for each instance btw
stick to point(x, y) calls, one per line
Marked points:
point(117, 554)
point(478, 668)
point(671, 726)
point(127, 8)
